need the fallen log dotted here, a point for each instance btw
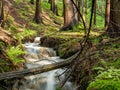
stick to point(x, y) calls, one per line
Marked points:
point(38, 70)
point(33, 71)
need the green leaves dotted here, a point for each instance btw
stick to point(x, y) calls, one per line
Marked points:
point(14, 54)
point(26, 33)
point(1, 44)
point(107, 80)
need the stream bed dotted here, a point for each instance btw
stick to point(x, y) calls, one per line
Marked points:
point(38, 56)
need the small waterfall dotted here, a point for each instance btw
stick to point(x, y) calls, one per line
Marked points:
point(51, 81)
point(38, 56)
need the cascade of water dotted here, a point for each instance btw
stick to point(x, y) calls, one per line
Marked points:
point(38, 56)
point(51, 81)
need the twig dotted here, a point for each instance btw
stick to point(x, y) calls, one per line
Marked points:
point(74, 66)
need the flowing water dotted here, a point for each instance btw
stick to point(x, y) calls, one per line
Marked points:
point(38, 56)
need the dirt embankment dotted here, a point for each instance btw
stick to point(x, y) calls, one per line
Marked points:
point(63, 49)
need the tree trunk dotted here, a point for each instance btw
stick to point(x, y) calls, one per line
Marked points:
point(107, 14)
point(54, 7)
point(2, 13)
point(114, 24)
point(70, 15)
point(78, 5)
point(38, 18)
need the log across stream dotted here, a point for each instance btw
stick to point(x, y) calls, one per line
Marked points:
point(40, 60)
point(42, 69)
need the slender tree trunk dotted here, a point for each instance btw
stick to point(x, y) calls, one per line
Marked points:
point(50, 1)
point(94, 13)
point(114, 23)
point(53, 6)
point(2, 13)
point(38, 18)
point(78, 5)
point(107, 14)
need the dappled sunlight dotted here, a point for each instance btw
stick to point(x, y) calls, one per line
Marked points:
point(92, 33)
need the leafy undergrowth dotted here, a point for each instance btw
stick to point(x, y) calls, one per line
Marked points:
point(108, 66)
point(106, 80)
point(19, 23)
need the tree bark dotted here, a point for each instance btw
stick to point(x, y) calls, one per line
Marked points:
point(2, 13)
point(78, 5)
point(114, 24)
point(70, 15)
point(38, 18)
point(107, 14)
point(54, 7)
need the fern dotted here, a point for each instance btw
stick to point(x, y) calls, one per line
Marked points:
point(107, 80)
point(14, 53)
point(26, 33)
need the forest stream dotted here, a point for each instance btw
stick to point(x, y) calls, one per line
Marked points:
point(38, 56)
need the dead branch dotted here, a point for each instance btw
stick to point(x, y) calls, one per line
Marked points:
point(38, 70)
point(41, 69)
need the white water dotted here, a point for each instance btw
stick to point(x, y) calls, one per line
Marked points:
point(39, 56)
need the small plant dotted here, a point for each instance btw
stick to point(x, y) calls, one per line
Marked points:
point(14, 54)
point(115, 63)
point(25, 33)
point(4, 66)
point(107, 80)
point(96, 41)
point(1, 44)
